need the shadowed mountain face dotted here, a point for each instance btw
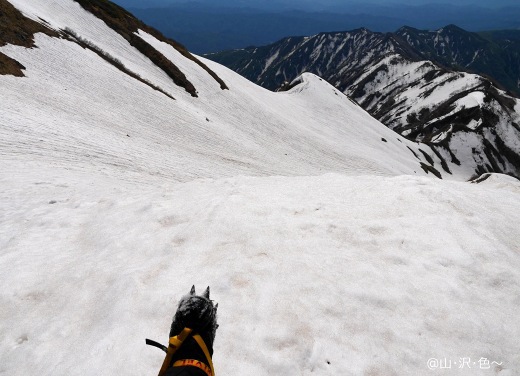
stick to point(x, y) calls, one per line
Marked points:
point(393, 77)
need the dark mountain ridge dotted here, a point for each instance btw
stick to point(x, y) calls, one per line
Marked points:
point(205, 27)
point(461, 50)
point(494, 55)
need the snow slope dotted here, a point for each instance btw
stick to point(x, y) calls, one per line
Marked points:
point(372, 275)
point(328, 248)
point(244, 130)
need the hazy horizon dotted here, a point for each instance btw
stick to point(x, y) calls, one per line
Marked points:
point(208, 26)
point(312, 5)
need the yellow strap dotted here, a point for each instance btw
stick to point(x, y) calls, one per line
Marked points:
point(193, 363)
point(202, 345)
point(173, 346)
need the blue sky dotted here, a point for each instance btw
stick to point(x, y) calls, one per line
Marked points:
point(313, 4)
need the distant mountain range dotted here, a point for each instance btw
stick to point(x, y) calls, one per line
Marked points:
point(205, 27)
point(493, 54)
point(311, 5)
point(416, 82)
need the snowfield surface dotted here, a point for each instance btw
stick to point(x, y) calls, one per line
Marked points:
point(372, 275)
point(328, 248)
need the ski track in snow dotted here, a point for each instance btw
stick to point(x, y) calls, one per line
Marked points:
point(337, 257)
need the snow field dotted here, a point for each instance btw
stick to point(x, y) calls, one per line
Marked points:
point(372, 275)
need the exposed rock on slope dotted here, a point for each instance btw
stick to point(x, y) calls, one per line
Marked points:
point(462, 116)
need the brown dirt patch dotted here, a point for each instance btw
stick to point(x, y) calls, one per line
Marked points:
point(10, 66)
point(126, 25)
point(19, 30)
